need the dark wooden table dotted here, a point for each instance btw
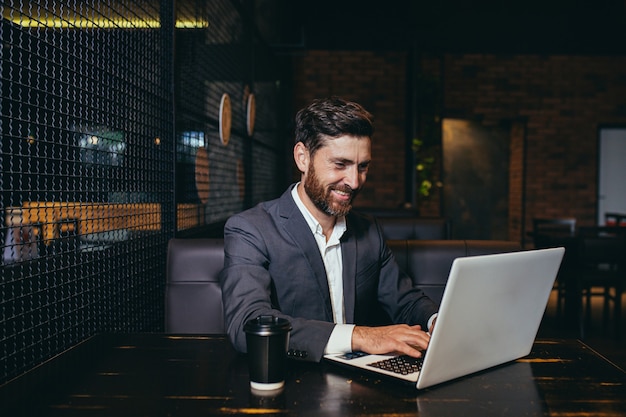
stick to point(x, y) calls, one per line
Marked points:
point(160, 375)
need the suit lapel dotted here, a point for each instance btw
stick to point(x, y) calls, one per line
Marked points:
point(295, 225)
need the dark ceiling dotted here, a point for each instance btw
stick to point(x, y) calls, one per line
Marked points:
point(503, 26)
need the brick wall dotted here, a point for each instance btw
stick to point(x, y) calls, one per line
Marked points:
point(563, 100)
point(556, 102)
point(377, 81)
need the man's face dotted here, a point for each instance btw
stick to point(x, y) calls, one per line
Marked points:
point(336, 173)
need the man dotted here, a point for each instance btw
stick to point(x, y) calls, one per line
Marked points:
point(307, 258)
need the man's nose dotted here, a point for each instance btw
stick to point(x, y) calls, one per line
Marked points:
point(353, 178)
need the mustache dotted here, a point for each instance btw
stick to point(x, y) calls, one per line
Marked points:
point(344, 189)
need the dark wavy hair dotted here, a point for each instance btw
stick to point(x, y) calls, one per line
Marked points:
point(329, 118)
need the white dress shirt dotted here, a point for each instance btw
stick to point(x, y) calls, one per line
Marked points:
point(341, 338)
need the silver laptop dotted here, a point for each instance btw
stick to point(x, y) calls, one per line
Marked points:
point(490, 313)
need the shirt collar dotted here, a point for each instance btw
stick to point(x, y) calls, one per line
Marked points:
point(314, 225)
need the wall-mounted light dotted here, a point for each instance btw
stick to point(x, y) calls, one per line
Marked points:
point(30, 138)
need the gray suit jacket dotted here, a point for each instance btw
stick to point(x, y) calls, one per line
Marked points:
point(272, 265)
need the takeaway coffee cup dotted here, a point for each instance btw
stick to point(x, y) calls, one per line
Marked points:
point(267, 339)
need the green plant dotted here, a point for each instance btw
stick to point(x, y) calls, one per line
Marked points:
point(424, 163)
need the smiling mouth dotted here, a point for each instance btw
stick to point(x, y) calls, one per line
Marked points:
point(345, 194)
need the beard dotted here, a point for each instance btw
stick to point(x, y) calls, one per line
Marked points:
point(322, 196)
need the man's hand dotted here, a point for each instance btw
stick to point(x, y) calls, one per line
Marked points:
point(397, 338)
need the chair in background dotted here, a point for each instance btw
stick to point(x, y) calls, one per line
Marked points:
point(602, 273)
point(552, 232)
point(615, 219)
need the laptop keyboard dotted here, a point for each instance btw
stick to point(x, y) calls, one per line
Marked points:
point(402, 365)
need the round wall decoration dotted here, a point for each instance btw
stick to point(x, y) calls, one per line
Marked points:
point(225, 119)
point(250, 114)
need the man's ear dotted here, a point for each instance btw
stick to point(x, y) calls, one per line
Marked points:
point(301, 157)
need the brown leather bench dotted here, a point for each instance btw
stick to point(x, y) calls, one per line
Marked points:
point(428, 262)
point(413, 228)
point(193, 302)
point(193, 296)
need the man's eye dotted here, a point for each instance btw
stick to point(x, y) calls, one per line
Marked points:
point(340, 165)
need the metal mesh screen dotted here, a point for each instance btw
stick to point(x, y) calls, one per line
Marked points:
point(102, 162)
point(216, 175)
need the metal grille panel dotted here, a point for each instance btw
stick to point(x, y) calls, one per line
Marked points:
point(98, 174)
point(86, 174)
